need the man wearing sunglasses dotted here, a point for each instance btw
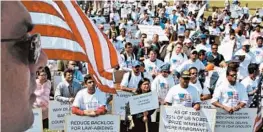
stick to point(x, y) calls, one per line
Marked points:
point(230, 95)
point(21, 55)
point(183, 94)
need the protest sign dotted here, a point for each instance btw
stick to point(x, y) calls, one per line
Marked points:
point(118, 103)
point(226, 49)
point(183, 119)
point(239, 121)
point(260, 12)
point(201, 12)
point(103, 123)
point(143, 102)
point(56, 114)
point(151, 30)
point(37, 125)
point(206, 104)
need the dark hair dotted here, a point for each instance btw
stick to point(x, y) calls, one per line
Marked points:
point(252, 68)
point(44, 69)
point(201, 52)
point(230, 69)
point(67, 71)
point(139, 90)
point(193, 68)
point(144, 34)
point(87, 77)
point(112, 22)
point(214, 44)
point(48, 73)
point(153, 50)
point(259, 37)
point(128, 44)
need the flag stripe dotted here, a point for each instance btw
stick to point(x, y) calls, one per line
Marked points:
point(47, 19)
point(59, 54)
point(41, 7)
point(53, 31)
point(114, 56)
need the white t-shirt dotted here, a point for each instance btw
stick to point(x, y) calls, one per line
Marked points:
point(127, 64)
point(201, 91)
point(206, 47)
point(179, 96)
point(152, 66)
point(258, 52)
point(175, 60)
point(189, 63)
point(250, 85)
point(162, 85)
point(134, 81)
point(214, 31)
point(229, 95)
point(86, 101)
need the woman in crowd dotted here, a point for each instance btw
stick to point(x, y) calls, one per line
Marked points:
point(42, 93)
point(143, 120)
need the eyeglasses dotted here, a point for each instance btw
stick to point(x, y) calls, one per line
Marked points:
point(34, 46)
point(233, 75)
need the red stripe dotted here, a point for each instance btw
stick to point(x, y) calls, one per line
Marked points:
point(58, 54)
point(41, 7)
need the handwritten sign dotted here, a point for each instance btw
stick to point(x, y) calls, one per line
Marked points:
point(103, 123)
point(143, 102)
point(239, 121)
point(37, 125)
point(151, 30)
point(182, 119)
point(119, 101)
point(56, 114)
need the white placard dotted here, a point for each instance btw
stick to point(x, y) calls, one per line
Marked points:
point(56, 113)
point(143, 102)
point(201, 12)
point(206, 104)
point(183, 119)
point(57, 79)
point(260, 12)
point(37, 125)
point(150, 30)
point(226, 49)
point(240, 121)
point(118, 103)
point(103, 123)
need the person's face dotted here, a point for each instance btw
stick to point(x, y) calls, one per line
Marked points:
point(259, 42)
point(90, 85)
point(201, 56)
point(214, 24)
point(187, 33)
point(181, 38)
point(184, 82)
point(157, 20)
point(143, 38)
point(155, 39)
point(214, 49)
point(145, 86)
point(69, 77)
point(246, 48)
point(203, 40)
point(193, 73)
point(17, 96)
point(136, 69)
point(165, 73)
point(257, 29)
point(129, 49)
point(112, 26)
point(232, 77)
point(152, 56)
point(72, 65)
point(42, 76)
point(122, 32)
point(194, 55)
point(178, 48)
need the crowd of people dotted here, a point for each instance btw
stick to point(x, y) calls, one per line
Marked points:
point(183, 71)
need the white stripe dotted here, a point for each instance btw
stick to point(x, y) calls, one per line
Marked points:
point(50, 2)
point(61, 43)
point(85, 36)
point(47, 19)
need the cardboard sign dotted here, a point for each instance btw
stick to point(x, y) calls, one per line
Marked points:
point(207, 104)
point(183, 119)
point(150, 30)
point(103, 123)
point(240, 121)
point(119, 101)
point(37, 126)
point(143, 102)
point(56, 114)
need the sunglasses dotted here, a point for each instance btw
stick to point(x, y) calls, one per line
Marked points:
point(186, 78)
point(33, 44)
point(233, 75)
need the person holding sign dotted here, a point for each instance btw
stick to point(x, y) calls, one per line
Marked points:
point(142, 121)
point(89, 101)
point(67, 89)
point(183, 94)
point(230, 95)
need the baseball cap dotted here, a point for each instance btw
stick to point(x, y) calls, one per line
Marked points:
point(185, 74)
point(136, 63)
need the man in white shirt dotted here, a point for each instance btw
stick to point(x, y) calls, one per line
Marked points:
point(230, 95)
point(203, 91)
point(127, 57)
point(203, 45)
point(251, 81)
point(214, 30)
point(192, 62)
point(131, 79)
point(258, 50)
point(175, 58)
point(89, 101)
point(162, 83)
point(249, 58)
point(152, 64)
point(183, 94)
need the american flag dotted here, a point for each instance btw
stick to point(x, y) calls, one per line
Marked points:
point(67, 34)
point(256, 103)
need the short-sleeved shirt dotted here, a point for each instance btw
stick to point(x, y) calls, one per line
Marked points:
point(179, 96)
point(200, 90)
point(133, 82)
point(86, 101)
